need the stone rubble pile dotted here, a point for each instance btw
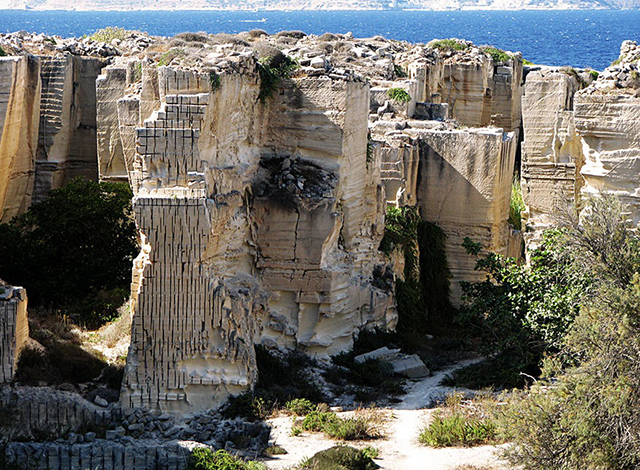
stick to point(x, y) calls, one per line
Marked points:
point(623, 73)
point(19, 42)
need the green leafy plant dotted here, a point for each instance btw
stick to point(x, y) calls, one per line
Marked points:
point(457, 430)
point(339, 458)
point(300, 406)
point(448, 45)
point(2, 52)
point(110, 33)
point(203, 458)
point(423, 296)
point(399, 95)
point(167, 57)
point(371, 452)
point(522, 312)
point(214, 80)
point(527, 62)
point(272, 70)
point(346, 429)
point(516, 205)
point(594, 74)
point(498, 55)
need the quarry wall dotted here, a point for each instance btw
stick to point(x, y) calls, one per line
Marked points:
point(261, 220)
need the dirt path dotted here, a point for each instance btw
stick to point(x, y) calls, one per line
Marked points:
point(399, 449)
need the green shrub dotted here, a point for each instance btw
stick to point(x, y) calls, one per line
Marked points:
point(516, 205)
point(316, 421)
point(272, 70)
point(457, 429)
point(399, 95)
point(594, 74)
point(2, 52)
point(300, 406)
point(167, 57)
point(448, 45)
point(74, 250)
point(584, 411)
point(339, 458)
point(203, 458)
point(214, 79)
point(399, 71)
point(346, 429)
point(280, 380)
point(371, 452)
point(498, 55)
point(522, 312)
point(527, 62)
point(423, 296)
point(110, 33)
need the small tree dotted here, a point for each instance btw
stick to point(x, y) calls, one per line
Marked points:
point(74, 250)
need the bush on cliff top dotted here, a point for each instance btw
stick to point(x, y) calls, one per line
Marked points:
point(73, 251)
point(110, 33)
point(448, 45)
point(498, 55)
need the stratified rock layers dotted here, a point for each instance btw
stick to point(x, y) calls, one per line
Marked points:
point(551, 151)
point(609, 125)
point(260, 224)
point(47, 126)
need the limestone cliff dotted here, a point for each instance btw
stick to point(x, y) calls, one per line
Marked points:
point(607, 118)
point(581, 138)
point(262, 168)
point(47, 126)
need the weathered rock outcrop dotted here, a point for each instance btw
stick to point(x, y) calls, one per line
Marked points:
point(19, 119)
point(607, 116)
point(581, 138)
point(260, 224)
point(47, 126)
point(551, 150)
point(14, 328)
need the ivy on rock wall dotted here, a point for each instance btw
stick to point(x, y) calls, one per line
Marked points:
point(423, 296)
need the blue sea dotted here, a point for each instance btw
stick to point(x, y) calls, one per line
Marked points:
point(575, 38)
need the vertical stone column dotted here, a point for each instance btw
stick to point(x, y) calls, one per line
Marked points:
point(19, 119)
point(551, 151)
point(14, 328)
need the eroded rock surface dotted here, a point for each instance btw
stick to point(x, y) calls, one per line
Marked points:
point(14, 328)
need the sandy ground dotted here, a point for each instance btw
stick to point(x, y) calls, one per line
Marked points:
point(399, 448)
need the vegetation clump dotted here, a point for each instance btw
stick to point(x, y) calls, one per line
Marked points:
point(399, 95)
point(584, 410)
point(73, 251)
point(110, 33)
point(520, 313)
point(340, 458)
point(423, 295)
point(516, 205)
point(272, 70)
point(300, 406)
point(281, 380)
point(448, 45)
point(361, 426)
point(461, 422)
point(203, 458)
point(498, 55)
point(2, 52)
point(214, 80)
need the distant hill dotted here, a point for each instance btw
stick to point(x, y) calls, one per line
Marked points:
point(317, 4)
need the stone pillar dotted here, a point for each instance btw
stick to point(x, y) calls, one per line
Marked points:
point(14, 328)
